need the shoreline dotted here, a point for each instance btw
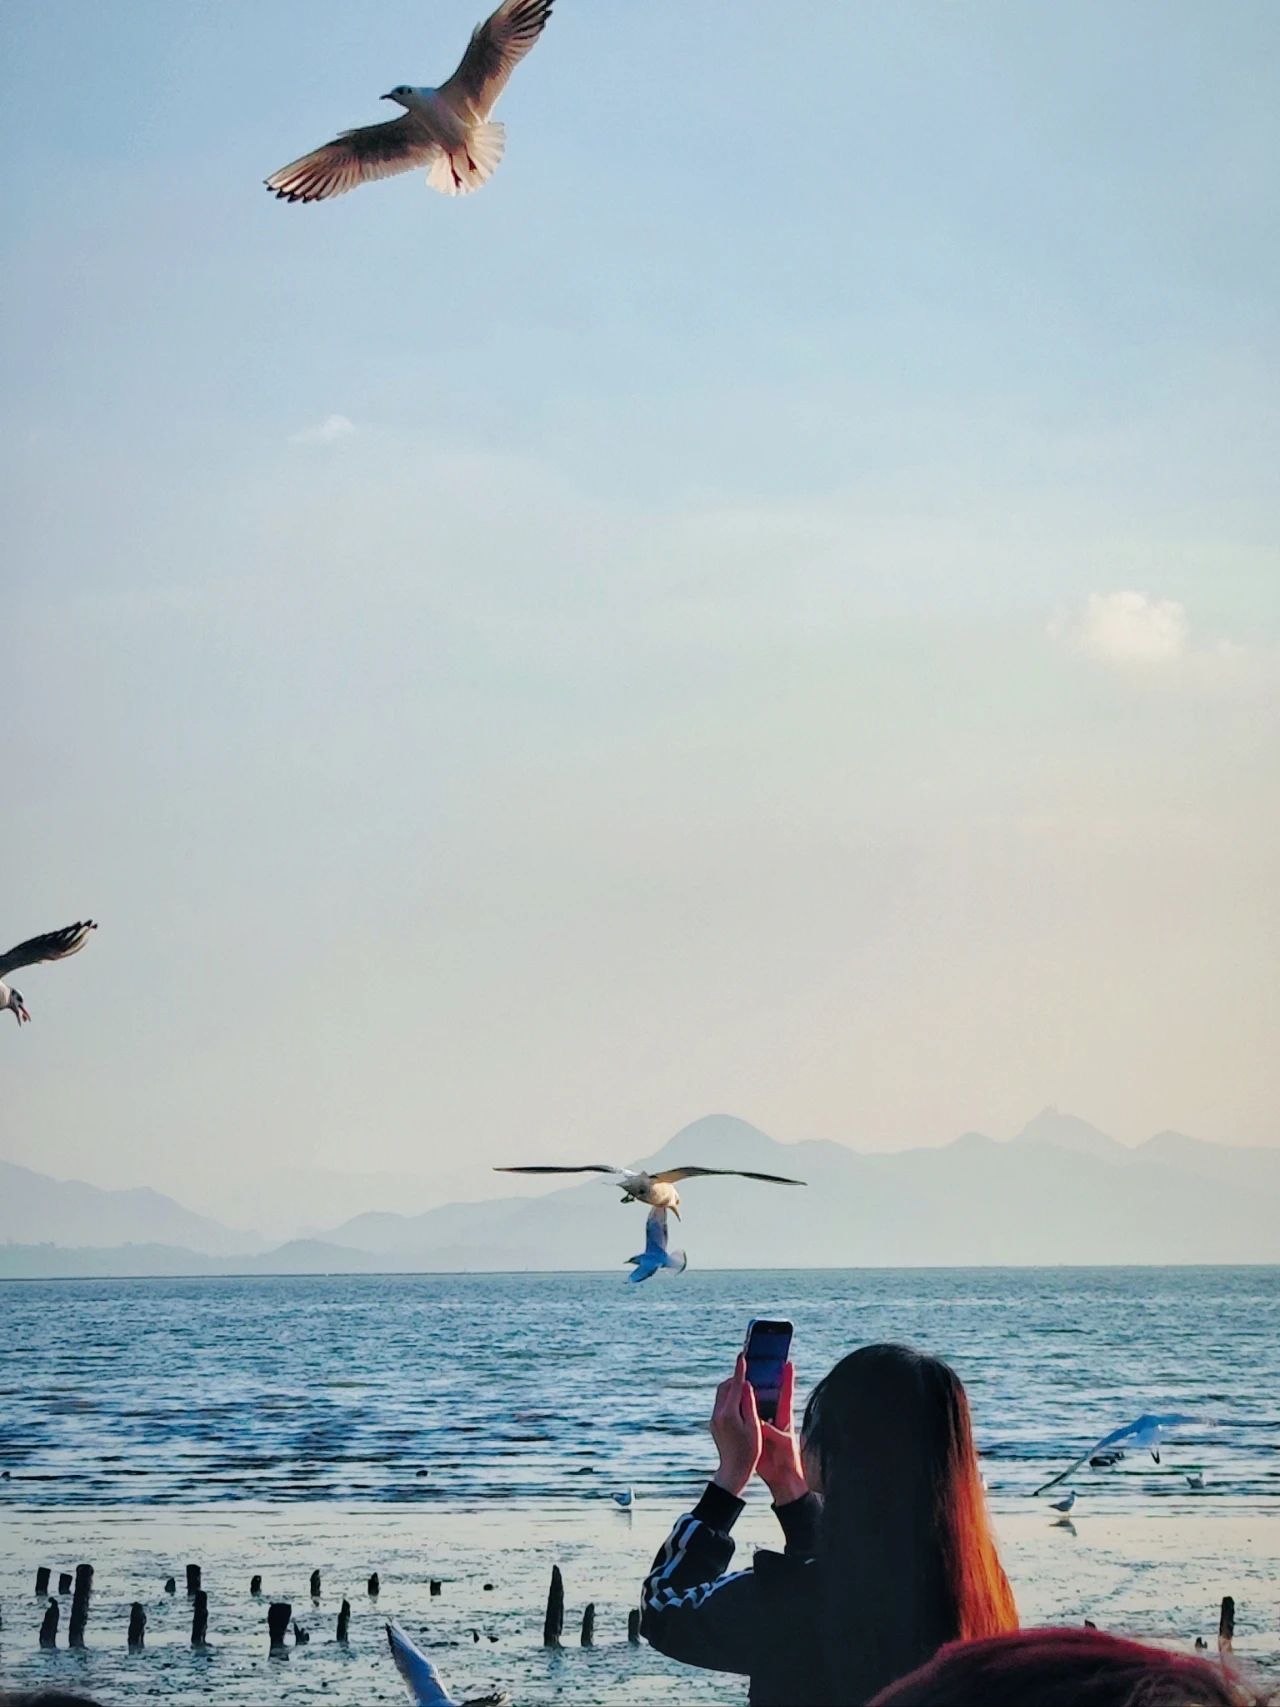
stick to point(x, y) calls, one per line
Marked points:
point(1154, 1574)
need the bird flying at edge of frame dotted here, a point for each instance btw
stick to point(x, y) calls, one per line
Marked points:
point(52, 945)
point(446, 130)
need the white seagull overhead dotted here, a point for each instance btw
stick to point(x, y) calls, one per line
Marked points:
point(657, 1190)
point(423, 1681)
point(654, 1256)
point(53, 945)
point(1144, 1434)
point(446, 130)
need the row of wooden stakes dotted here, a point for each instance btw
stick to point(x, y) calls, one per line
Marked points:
point(279, 1614)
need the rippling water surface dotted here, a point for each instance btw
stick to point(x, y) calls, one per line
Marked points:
point(449, 1387)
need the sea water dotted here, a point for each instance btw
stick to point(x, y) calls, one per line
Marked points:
point(473, 1427)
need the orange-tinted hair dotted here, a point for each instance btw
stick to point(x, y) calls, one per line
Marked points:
point(1066, 1668)
point(906, 1558)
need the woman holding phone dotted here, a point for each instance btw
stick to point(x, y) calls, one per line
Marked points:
point(888, 1550)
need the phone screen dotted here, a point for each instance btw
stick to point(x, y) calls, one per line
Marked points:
point(767, 1349)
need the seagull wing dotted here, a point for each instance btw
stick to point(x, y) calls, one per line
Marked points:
point(53, 945)
point(586, 1168)
point(496, 47)
point(355, 157)
point(1142, 1428)
point(420, 1675)
point(655, 1234)
point(670, 1175)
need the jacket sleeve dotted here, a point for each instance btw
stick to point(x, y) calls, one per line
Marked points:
point(799, 1520)
point(691, 1611)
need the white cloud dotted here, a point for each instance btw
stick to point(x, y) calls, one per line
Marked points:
point(325, 432)
point(1126, 630)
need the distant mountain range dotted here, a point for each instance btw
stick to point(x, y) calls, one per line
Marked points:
point(1060, 1192)
point(37, 1209)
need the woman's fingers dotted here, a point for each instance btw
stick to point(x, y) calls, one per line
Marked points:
point(747, 1408)
point(786, 1389)
point(728, 1393)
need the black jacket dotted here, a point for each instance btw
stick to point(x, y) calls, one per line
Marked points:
point(763, 1622)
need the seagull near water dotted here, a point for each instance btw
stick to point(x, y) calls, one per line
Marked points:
point(53, 945)
point(657, 1190)
point(1065, 1506)
point(1143, 1435)
point(424, 1683)
point(447, 130)
point(654, 1256)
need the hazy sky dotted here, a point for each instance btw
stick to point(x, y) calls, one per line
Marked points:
point(771, 606)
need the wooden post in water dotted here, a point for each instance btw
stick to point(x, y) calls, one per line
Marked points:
point(633, 1626)
point(435, 1586)
point(137, 1624)
point(374, 1585)
point(589, 1625)
point(344, 1619)
point(42, 1580)
point(64, 1582)
point(199, 1618)
point(193, 1579)
point(1226, 1624)
point(278, 1615)
point(315, 1585)
point(49, 1626)
point(80, 1606)
point(300, 1636)
point(255, 1585)
point(170, 1585)
point(553, 1624)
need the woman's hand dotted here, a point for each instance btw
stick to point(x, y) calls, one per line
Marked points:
point(779, 1464)
point(735, 1428)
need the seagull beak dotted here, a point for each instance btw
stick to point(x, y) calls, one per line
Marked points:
point(23, 1017)
point(386, 97)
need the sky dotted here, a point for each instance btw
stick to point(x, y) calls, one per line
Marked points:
point(771, 606)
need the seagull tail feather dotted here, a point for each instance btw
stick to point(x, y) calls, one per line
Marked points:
point(465, 170)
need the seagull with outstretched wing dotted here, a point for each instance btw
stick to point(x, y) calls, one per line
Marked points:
point(658, 1190)
point(53, 945)
point(655, 1254)
point(446, 130)
point(1143, 1435)
point(422, 1680)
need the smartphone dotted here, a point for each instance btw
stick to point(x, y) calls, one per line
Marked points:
point(767, 1349)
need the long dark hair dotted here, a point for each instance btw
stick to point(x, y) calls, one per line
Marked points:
point(906, 1561)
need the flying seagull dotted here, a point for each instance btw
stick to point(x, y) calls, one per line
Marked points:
point(657, 1190)
point(423, 1680)
point(1143, 1435)
point(53, 945)
point(447, 130)
point(654, 1256)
